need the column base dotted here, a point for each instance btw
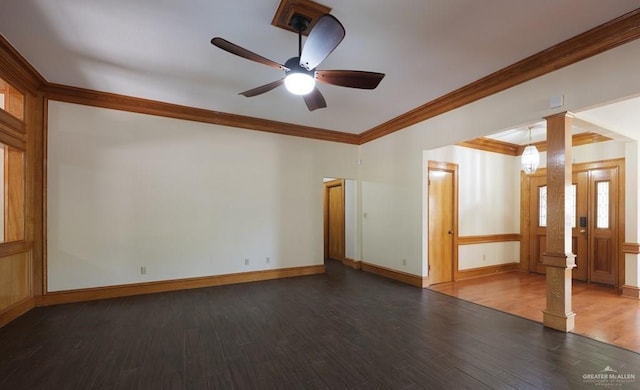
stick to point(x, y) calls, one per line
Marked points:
point(564, 323)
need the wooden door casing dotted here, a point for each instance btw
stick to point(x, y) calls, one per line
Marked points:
point(442, 198)
point(334, 220)
point(596, 248)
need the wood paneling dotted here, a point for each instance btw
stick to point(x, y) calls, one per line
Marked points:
point(15, 277)
point(404, 277)
point(597, 40)
point(14, 186)
point(23, 225)
point(90, 294)
point(151, 107)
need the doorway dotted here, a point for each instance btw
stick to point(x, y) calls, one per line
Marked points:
point(443, 205)
point(595, 213)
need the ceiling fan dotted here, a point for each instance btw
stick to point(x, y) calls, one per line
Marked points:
point(300, 72)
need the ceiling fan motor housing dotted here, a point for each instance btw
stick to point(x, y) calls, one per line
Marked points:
point(293, 64)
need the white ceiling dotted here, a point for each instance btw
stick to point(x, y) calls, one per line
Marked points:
point(161, 49)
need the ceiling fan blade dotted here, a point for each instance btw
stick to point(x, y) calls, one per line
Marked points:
point(244, 53)
point(262, 89)
point(314, 100)
point(325, 36)
point(350, 78)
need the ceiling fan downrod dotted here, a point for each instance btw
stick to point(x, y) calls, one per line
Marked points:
point(300, 23)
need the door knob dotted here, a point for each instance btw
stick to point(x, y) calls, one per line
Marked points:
point(450, 232)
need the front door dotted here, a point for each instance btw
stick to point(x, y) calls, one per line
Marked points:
point(593, 209)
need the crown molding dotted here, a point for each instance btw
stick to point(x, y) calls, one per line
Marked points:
point(609, 35)
point(89, 97)
point(15, 69)
point(492, 145)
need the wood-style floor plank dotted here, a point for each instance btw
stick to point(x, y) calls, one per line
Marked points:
point(601, 313)
point(343, 330)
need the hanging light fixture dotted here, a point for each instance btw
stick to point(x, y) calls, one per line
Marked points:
point(530, 157)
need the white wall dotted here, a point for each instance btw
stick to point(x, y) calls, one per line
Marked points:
point(488, 202)
point(183, 199)
point(392, 174)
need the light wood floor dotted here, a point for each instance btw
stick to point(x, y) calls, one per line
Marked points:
point(601, 313)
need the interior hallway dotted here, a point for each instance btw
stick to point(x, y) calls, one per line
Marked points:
point(601, 313)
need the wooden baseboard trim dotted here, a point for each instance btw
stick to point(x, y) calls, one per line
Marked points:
point(355, 264)
point(411, 279)
point(631, 292)
point(91, 294)
point(632, 248)
point(12, 312)
point(489, 270)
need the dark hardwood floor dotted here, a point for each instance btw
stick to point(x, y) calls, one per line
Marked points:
point(343, 330)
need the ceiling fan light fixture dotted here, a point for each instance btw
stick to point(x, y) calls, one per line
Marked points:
point(299, 83)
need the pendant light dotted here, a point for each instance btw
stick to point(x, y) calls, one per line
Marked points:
point(530, 157)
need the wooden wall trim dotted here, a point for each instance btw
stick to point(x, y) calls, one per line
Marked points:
point(349, 262)
point(631, 292)
point(17, 69)
point(11, 248)
point(488, 270)
point(152, 107)
point(595, 41)
point(632, 248)
point(509, 149)
point(90, 294)
point(491, 145)
point(404, 277)
point(490, 238)
point(16, 310)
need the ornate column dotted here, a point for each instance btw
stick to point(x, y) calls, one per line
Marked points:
point(558, 257)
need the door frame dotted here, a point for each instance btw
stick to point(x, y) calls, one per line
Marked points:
point(453, 168)
point(525, 215)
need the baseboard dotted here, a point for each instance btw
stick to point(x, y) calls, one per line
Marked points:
point(355, 264)
point(12, 312)
point(488, 270)
point(400, 276)
point(631, 292)
point(91, 294)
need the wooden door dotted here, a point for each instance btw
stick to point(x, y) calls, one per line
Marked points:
point(594, 212)
point(603, 243)
point(334, 220)
point(441, 225)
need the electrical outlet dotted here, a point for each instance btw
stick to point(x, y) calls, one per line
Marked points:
point(246, 261)
point(404, 261)
point(143, 270)
point(268, 260)
point(484, 257)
